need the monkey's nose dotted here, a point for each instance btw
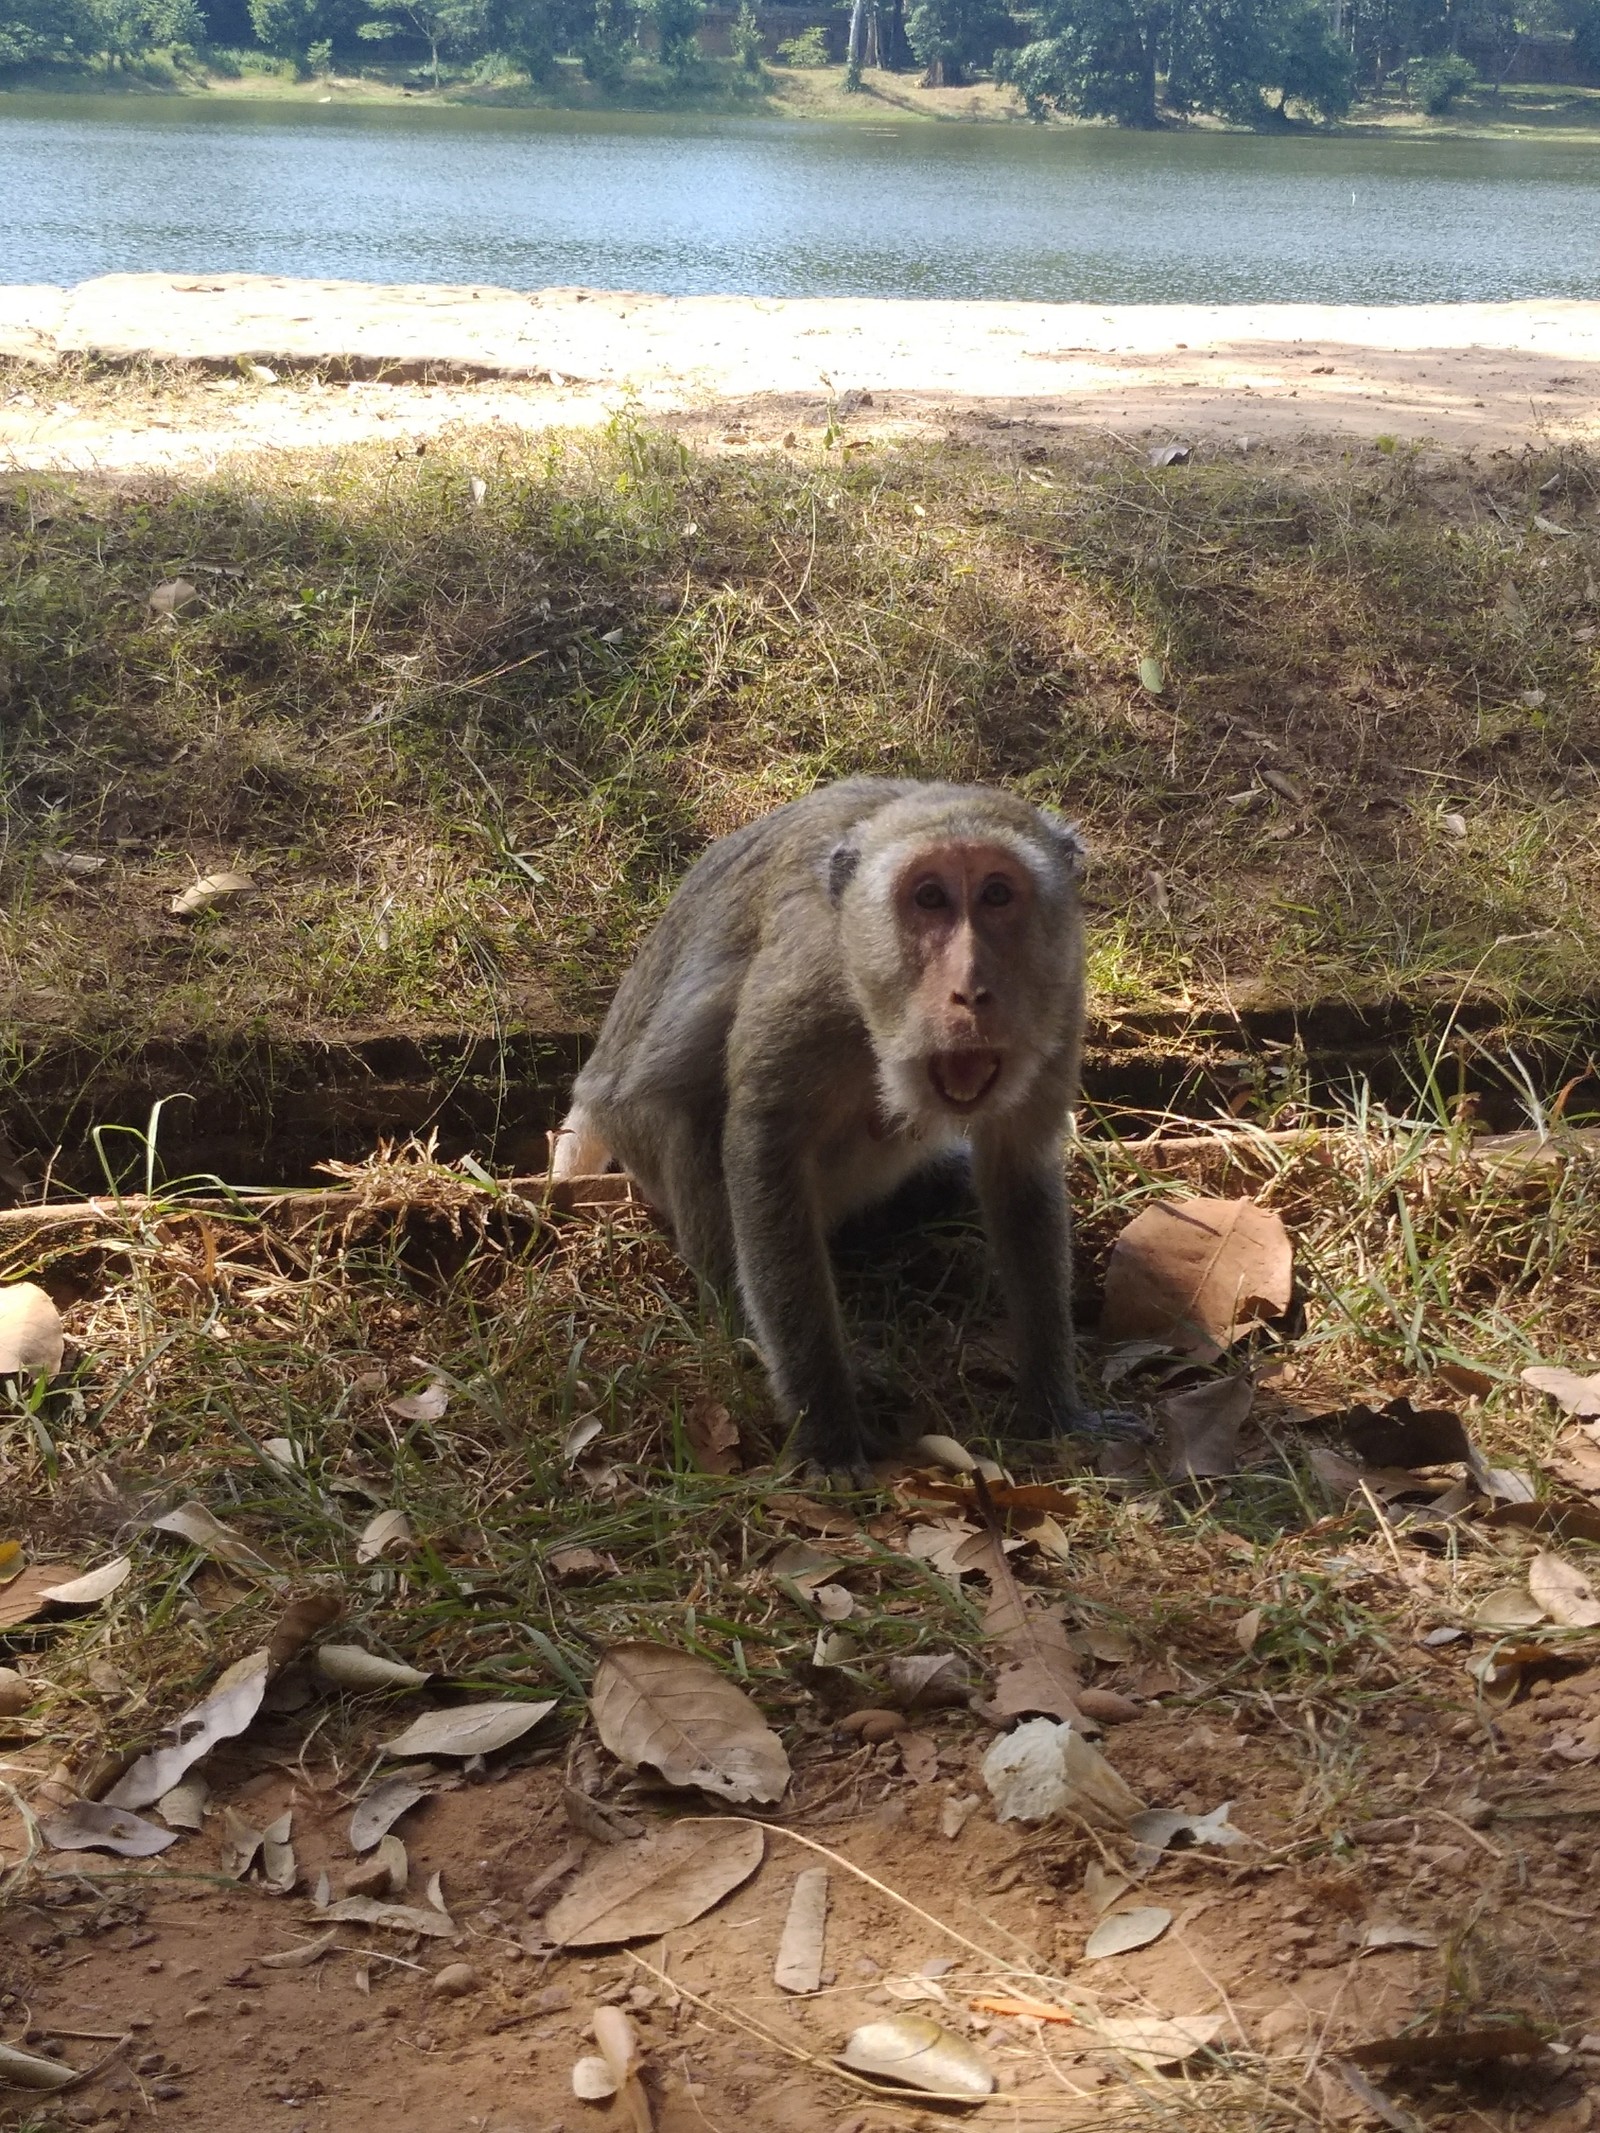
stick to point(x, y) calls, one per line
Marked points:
point(976, 996)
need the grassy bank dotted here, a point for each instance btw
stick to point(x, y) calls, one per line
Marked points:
point(465, 739)
point(1550, 112)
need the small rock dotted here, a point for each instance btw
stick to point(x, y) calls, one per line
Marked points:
point(1477, 1814)
point(370, 1878)
point(155, 1963)
point(15, 1694)
point(199, 2012)
point(165, 2091)
point(456, 1980)
point(149, 2062)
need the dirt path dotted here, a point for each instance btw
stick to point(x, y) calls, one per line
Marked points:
point(1479, 375)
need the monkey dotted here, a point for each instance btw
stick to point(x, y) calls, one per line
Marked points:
point(838, 996)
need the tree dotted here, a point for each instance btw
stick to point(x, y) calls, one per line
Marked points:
point(949, 37)
point(45, 32)
point(285, 28)
point(744, 39)
point(605, 41)
point(1094, 58)
point(443, 25)
point(678, 31)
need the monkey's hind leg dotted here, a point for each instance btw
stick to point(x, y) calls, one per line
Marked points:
point(576, 1149)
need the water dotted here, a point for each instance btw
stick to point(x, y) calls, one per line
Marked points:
point(782, 208)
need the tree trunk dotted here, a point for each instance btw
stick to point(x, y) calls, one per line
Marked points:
point(857, 44)
point(433, 52)
point(874, 57)
point(1147, 83)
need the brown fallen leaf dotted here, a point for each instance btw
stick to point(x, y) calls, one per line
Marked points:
point(22, 2070)
point(929, 1681)
point(713, 1437)
point(1563, 1591)
point(1203, 1427)
point(194, 1523)
point(305, 1617)
point(1464, 1378)
point(168, 597)
point(1197, 1274)
point(1400, 1435)
point(1039, 1671)
point(1576, 1461)
point(398, 1917)
point(994, 2003)
point(916, 2052)
point(90, 1825)
point(1154, 2041)
point(658, 1708)
point(32, 1339)
point(640, 1891)
point(1124, 1931)
point(1561, 1518)
point(1466, 2047)
point(27, 1593)
point(1039, 1496)
point(919, 1757)
point(222, 1715)
point(573, 1564)
point(800, 1951)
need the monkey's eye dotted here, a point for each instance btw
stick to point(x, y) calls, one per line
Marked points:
point(930, 896)
point(996, 892)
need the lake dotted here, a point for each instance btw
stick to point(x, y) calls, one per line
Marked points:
point(775, 207)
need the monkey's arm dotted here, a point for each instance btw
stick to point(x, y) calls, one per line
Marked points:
point(1023, 1194)
point(786, 1281)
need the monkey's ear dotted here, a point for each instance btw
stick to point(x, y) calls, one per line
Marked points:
point(842, 863)
point(1065, 842)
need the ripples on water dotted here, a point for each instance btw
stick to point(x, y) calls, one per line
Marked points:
point(781, 208)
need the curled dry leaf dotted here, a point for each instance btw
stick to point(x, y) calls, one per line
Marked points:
point(935, 1450)
point(169, 596)
point(1159, 1828)
point(592, 2079)
point(347, 1666)
point(713, 1437)
point(425, 1406)
point(919, 2053)
point(1573, 1392)
point(303, 1619)
point(662, 1709)
point(1563, 1591)
point(1197, 1274)
point(1203, 1427)
point(92, 1587)
point(184, 1807)
point(470, 1729)
point(1247, 1629)
point(1124, 1931)
point(956, 1813)
point(209, 891)
point(15, 1693)
point(22, 1596)
point(929, 1681)
point(1102, 1887)
point(800, 1951)
point(308, 1952)
point(226, 1712)
point(1400, 1435)
point(1039, 1670)
point(21, 2070)
point(240, 1843)
point(390, 1529)
point(92, 1826)
point(194, 1523)
point(640, 1891)
point(382, 1807)
point(1508, 1607)
point(1043, 1769)
point(835, 1603)
point(32, 1339)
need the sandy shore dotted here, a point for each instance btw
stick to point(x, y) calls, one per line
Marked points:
point(409, 360)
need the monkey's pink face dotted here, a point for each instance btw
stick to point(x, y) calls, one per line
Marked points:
point(964, 912)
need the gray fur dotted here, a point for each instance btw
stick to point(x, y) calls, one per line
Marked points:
point(760, 1076)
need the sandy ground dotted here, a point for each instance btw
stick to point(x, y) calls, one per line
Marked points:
point(357, 360)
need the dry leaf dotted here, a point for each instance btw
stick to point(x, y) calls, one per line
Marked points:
point(640, 1891)
point(230, 1707)
point(1153, 2042)
point(167, 598)
point(1508, 1607)
point(581, 1435)
point(93, 1586)
point(919, 2053)
point(21, 2070)
point(1563, 1591)
point(1247, 1629)
point(390, 1529)
point(1464, 1378)
point(956, 1813)
point(184, 1807)
point(425, 1406)
point(578, 1563)
point(1572, 1392)
point(16, 1693)
point(383, 1806)
point(1157, 1828)
point(919, 1757)
point(349, 1667)
point(240, 1843)
point(209, 891)
point(1576, 1461)
point(278, 1870)
point(23, 1595)
point(1124, 1931)
point(1378, 1937)
point(194, 1523)
point(470, 1729)
point(1197, 1274)
point(1039, 1673)
point(31, 1335)
point(1102, 1887)
point(303, 1619)
point(835, 1603)
point(308, 1952)
point(592, 2080)
point(1043, 1769)
point(713, 1437)
point(1400, 1435)
point(91, 1826)
point(1460, 2047)
point(942, 1542)
point(399, 1917)
point(931, 1681)
point(945, 1452)
point(13, 1560)
point(993, 2003)
point(664, 1710)
point(800, 1951)
point(1203, 1427)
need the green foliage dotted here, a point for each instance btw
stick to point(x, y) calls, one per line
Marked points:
point(950, 36)
point(809, 49)
point(677, 27)
point(319, 57)
point(1436, 84)
point(744, 38)
point(1094, 59)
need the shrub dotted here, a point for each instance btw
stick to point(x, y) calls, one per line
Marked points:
point(1435, 84)
point(809, 49)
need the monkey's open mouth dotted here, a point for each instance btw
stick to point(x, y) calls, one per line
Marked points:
point(964, 1079)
